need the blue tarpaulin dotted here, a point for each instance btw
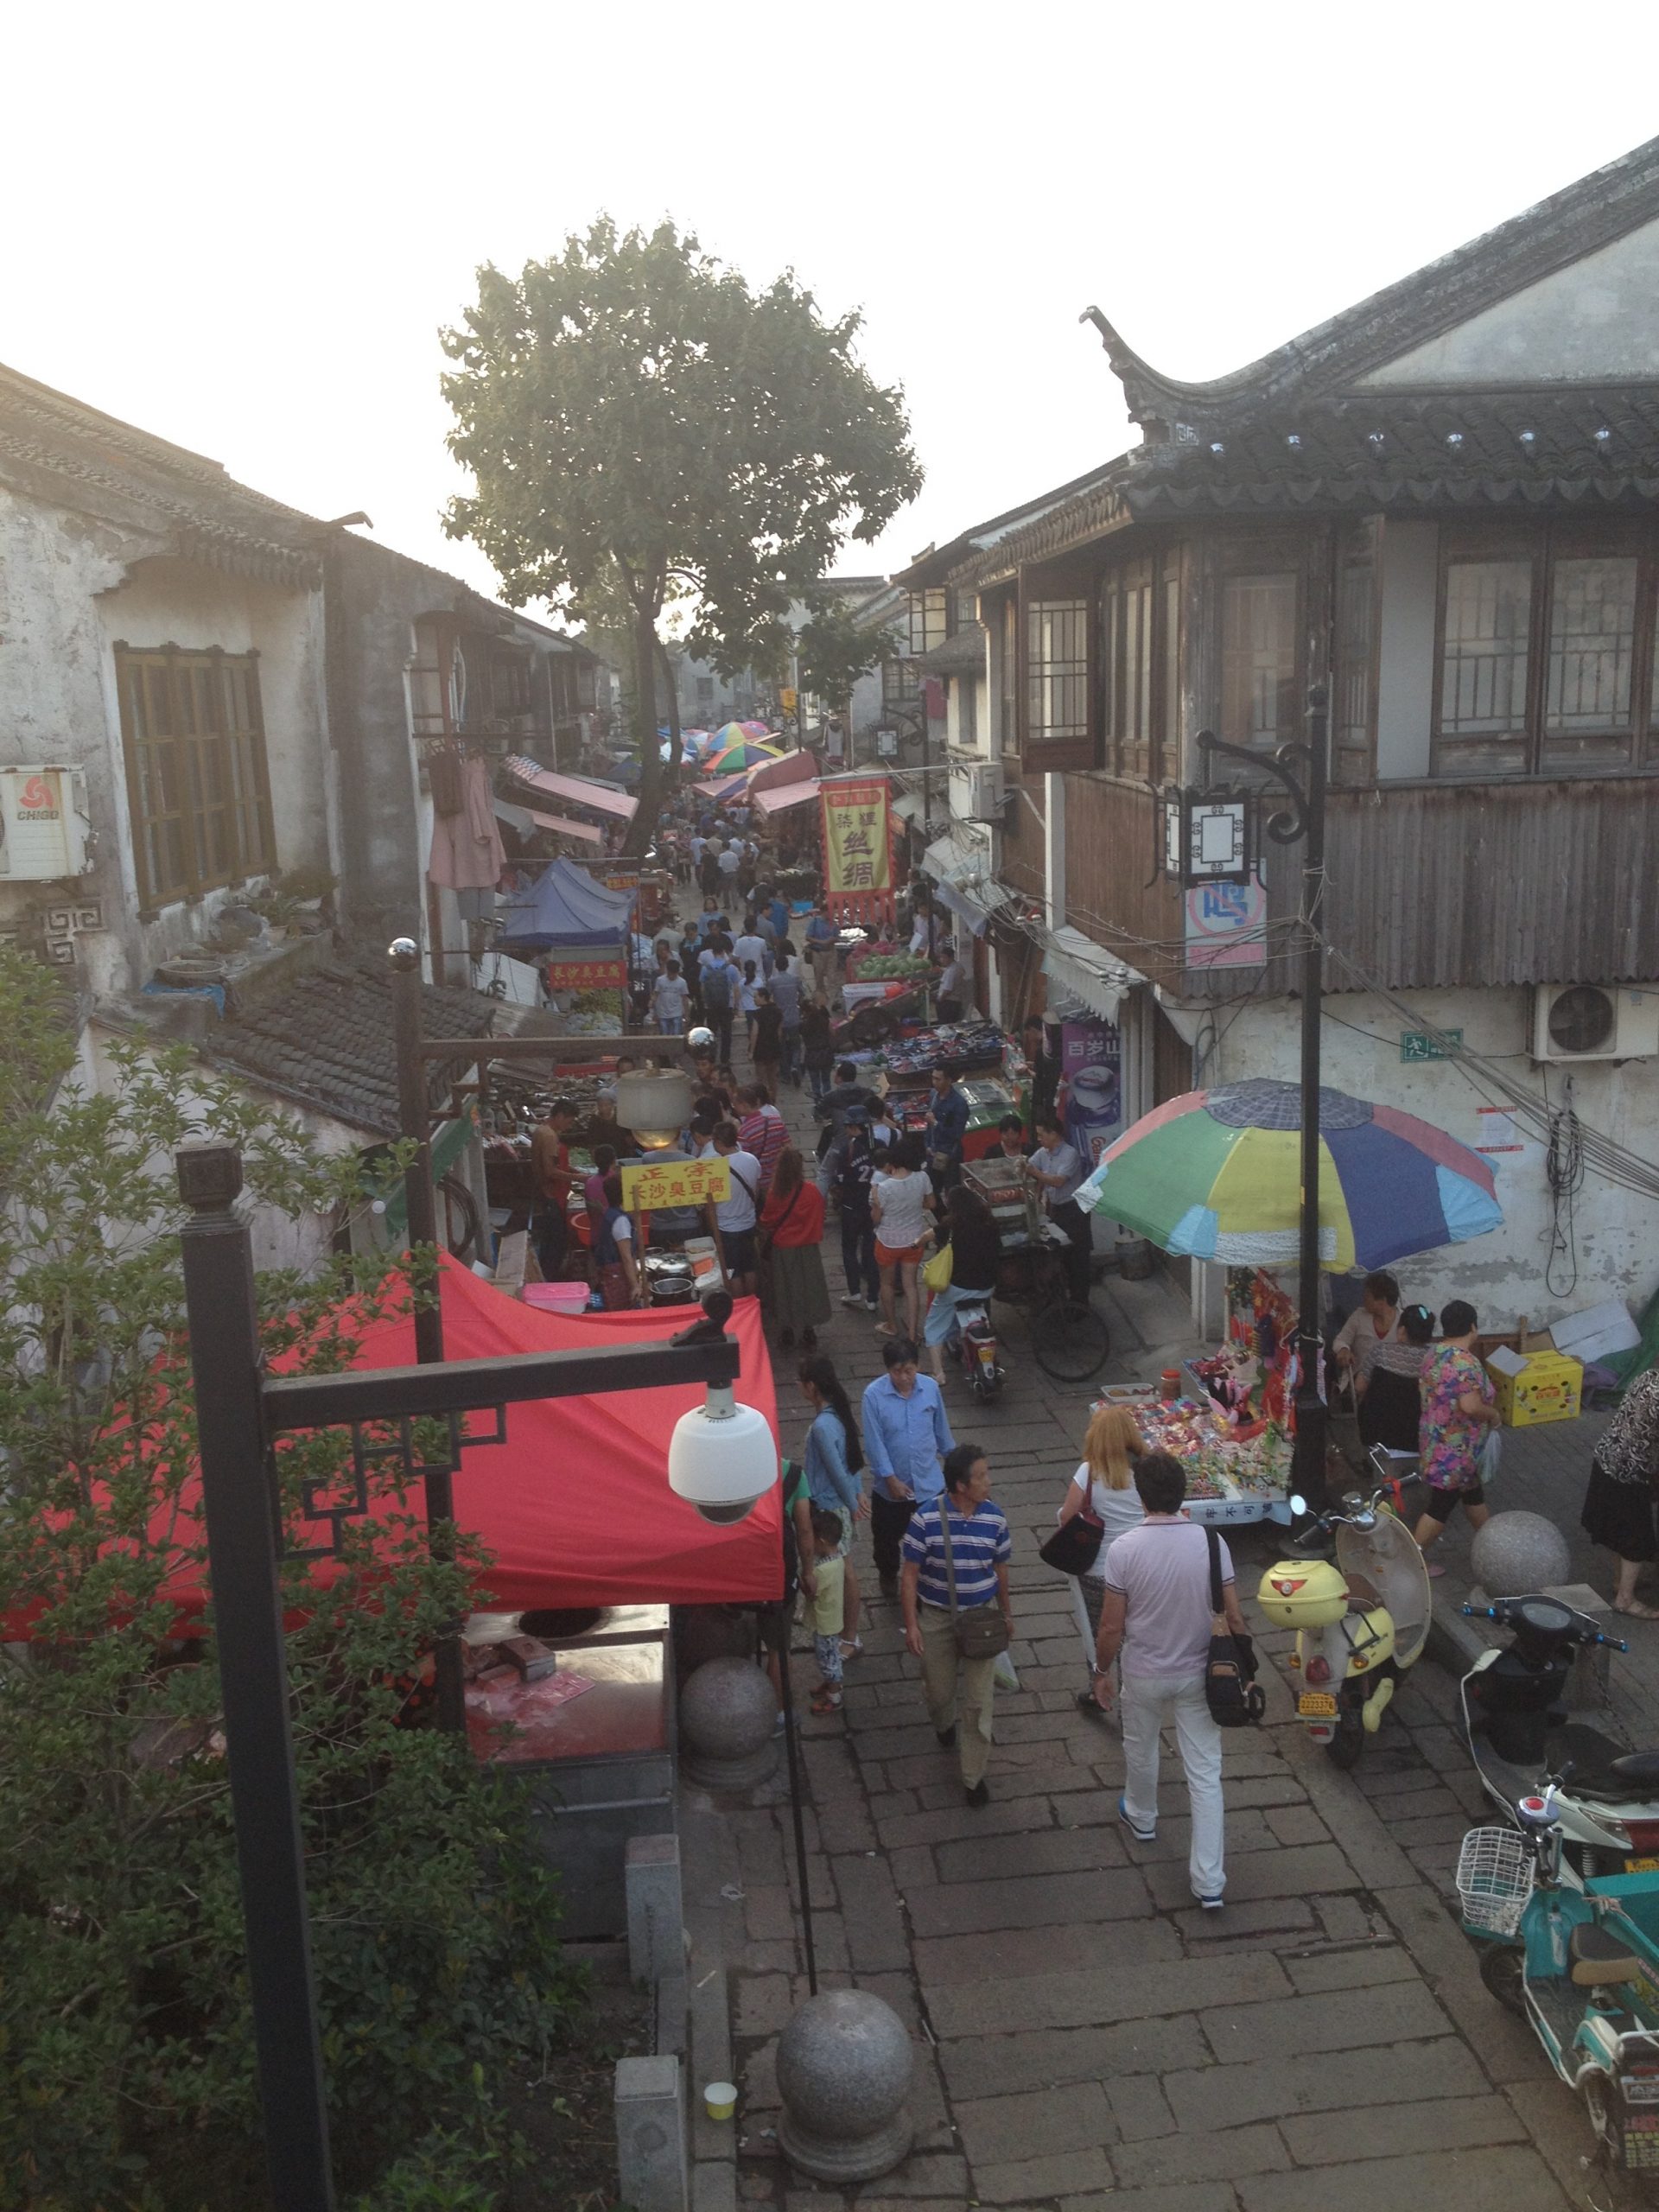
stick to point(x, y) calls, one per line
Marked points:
point(564, 911)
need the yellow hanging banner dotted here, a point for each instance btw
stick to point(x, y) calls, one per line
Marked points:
point(857, 855)
point(675, 1183)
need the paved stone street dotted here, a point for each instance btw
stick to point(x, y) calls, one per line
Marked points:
point(1085, 2036)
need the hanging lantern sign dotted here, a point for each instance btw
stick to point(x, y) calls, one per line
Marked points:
point(1217, 841)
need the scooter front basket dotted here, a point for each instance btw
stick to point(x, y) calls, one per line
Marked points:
point(1494, 1880)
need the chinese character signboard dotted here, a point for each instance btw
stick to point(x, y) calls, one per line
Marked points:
point(857, 860)
point(1091, 1062)
point(587, 974)
point(1226, 925)
point(675, 1183)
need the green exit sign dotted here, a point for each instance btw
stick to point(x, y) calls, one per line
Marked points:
point(1418, 1045)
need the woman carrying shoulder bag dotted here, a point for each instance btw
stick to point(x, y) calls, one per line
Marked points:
point(1100, 1503)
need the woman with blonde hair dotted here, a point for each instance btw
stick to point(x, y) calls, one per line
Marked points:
point(1102, 1489)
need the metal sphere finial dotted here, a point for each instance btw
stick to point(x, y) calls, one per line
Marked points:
point(403, 952)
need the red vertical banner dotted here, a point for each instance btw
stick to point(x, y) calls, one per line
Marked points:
point(858, 849)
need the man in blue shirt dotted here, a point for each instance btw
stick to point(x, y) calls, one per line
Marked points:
point(822, 937)
point(959, 1691)
point(778, 915)
point(906, 1439)
point(947, 1125)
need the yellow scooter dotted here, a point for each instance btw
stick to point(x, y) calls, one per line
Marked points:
point(1360, 1622)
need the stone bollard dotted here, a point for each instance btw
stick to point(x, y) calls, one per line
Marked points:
point(1518, 1553)
point(656, 1915)
point(651, 2153)
point(728, 1719)
point(844, 2068)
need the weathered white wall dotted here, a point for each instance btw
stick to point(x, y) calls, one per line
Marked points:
point(1616, 1232)
point(1405, 668)
point(1598, 318)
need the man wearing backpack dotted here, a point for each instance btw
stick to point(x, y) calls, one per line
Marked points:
point(720, 982)
point(1156, 1612)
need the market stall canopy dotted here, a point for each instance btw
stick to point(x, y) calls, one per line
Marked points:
point(565, 909)
point(575, 790)
point(575, 1506)
point(744, 753)
point(526, 821)
point(1088, 972)
point(1216, 1175)
point(777, 797)
point(791, 768)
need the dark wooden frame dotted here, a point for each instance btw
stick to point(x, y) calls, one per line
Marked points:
point(236, 807)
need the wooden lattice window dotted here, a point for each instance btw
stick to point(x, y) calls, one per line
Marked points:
point(197, 782)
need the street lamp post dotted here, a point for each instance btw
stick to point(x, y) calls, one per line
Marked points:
point(1304, 820)
point(240, 1411)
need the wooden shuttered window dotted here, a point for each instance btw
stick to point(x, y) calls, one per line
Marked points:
point(1140, 666)
point(197, 784)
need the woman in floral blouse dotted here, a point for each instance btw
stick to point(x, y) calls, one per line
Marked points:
point(1618, 1506)
point(1458, 1408)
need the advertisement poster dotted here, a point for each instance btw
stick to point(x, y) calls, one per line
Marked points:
point(675, 1183)
point(604, 975)
point(1225, 925)
point(856, 857)
point(1091, 1077)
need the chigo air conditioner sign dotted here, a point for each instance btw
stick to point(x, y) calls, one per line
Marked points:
point(44, 826)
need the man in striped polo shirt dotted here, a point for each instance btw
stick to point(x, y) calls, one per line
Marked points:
point(958, 1691)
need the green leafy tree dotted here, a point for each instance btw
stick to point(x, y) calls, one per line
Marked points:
point(833, 648)
point(125, 2043)
point(635, 417)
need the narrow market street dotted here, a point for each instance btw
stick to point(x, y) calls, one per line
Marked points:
point(1086, 2036)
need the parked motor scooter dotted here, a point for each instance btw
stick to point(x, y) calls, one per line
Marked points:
point(1360, 1623)
point(1518, 1736)
point(974, 1343)
point(1578, 1960)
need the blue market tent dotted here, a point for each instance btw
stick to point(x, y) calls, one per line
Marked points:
point(565, 909)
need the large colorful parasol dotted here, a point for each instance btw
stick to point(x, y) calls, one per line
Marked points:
point(746, 753)
point(1216, 1175)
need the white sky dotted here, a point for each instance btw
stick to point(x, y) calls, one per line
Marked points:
point(241, 227)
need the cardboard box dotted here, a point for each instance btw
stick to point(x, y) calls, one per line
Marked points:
point(1535, 1387)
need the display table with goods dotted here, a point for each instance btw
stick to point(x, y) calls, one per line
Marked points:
point(1234, 1473)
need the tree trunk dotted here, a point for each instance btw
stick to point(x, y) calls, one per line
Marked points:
point(672, 775)
point(643, 828)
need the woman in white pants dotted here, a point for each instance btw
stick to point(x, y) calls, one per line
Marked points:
point(1103, 1488)
point(1156, 1612)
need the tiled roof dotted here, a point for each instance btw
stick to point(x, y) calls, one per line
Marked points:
point(326, 1042)
point(58, 449)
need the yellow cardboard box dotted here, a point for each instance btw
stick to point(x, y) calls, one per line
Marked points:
point(1536, 1387)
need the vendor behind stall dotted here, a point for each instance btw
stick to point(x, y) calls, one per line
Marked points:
point(953, 986)
point(947, 1125)
point(1056, 1169)
point(552, 1176)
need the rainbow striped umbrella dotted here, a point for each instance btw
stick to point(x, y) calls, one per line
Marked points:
point(745, 754)
point(1216, 1175)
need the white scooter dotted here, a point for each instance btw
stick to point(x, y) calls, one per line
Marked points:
point(1606, 1799)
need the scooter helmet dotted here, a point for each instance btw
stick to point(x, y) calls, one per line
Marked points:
point(701, 1040)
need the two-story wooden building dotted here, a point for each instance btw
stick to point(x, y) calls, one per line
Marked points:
point(1444, 504)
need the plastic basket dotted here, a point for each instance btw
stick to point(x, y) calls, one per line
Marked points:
point(1494, 1880)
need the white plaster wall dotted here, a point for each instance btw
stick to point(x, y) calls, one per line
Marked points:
point(1600, 318)
point(1617, 1233)
point(1404, 670)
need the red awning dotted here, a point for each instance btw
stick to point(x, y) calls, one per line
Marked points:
point(574, 790)
point(793, 768)
point(797, 794)
point(524, 819)
point(575, 1506)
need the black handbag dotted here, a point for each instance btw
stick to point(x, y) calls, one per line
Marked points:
point(981, 1630)
point(1236, 1698)
point(1074, 1545)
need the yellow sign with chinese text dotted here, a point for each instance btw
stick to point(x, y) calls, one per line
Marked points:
point(675, 1183)
point(856, 855)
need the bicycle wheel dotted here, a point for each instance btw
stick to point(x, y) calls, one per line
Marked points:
point(1070, 1341)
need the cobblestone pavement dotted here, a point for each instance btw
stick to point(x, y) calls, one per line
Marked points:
point(1086, 2039)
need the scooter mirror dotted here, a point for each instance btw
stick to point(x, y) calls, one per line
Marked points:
point(1298, 1506)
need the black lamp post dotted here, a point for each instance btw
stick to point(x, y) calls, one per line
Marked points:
point(240, 1411)
point(1303, 819)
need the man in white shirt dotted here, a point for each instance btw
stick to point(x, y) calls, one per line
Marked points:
point(1056, 1169)
point(736, 1216)
point(953, 985)
point(730, 860)
point(752, 946)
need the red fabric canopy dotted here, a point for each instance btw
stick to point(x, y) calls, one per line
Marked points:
point(575, 1506)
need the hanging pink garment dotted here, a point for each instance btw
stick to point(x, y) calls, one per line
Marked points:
point(467, 853)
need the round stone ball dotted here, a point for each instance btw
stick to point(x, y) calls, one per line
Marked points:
point(727, 1711)
point(845, 2065)
point(1517, 1552)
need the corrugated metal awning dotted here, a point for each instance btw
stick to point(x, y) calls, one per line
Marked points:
point(775, 801)
point(1088, 970)
point(525, 820)
point(575, 790)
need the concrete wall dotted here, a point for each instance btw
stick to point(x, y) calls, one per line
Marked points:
point(1405, 667)
point(1600, 318)
point(1616, 1233)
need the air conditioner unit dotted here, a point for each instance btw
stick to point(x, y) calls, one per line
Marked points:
point(45, 829)
point(976, 791)
point(1585, 1022)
